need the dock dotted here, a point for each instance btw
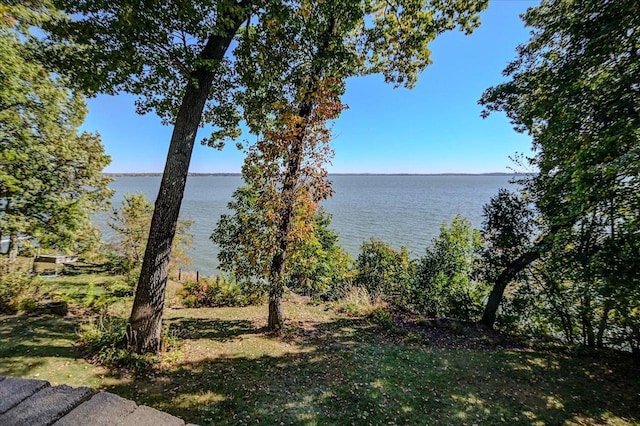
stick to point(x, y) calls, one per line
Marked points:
point(55, 259)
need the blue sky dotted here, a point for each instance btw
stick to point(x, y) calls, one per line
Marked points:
point(434, 128)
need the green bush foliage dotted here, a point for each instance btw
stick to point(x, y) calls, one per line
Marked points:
point(18, 292)
point(103, 342)
point(382, 318)
point(316, 265)
point(218, 291)
point(384, 272)
point(446, 282)
point(120, 287)
point(319, 266)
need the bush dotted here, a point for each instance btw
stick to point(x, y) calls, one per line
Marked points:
point(445, 284)
point(356, 301)
point(382, 318)
point(103, 342)
point(318, 266)
point(218, 291)
point(18, 292)
point(120, 288)
point(384, 272)
point(101, 339)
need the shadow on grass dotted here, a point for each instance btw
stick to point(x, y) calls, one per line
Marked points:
point(218, 330)
point(346, 372)
point(26, 341)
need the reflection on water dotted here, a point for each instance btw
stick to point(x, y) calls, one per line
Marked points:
point(401, 210)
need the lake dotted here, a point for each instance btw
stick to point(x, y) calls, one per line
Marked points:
point(398, 209)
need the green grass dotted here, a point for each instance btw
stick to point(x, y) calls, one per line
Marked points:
point(331, 369)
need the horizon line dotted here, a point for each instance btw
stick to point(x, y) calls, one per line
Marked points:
point(142, 174)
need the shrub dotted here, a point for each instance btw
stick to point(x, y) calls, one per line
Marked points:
point(445, 284)
point(218, 291)
point(102, 337)
point(318, 266)
point(120, 288)
point(103, 342)
point(382, 318)
point(384, 272)
point(18, 292)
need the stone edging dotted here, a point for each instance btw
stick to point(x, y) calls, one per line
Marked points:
point(32, 402)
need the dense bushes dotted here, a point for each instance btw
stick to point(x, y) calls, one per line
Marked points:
point(320, 266)
point(18, 292)
point(441, 283)
point(446, 283)
point(218, 291)
point(103, 341)
point(384, 272)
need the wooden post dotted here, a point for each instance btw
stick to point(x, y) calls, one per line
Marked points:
point(179, 274)
point(197, 276)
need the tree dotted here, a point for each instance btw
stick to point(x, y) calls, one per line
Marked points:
point(131, 222)
point(507, 232)
point(446, 283)
point(296, 69)
point(173, 56)
point(575, 88)
point(50, 176)
point(241, 252)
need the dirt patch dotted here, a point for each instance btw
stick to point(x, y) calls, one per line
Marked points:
point(448, 333)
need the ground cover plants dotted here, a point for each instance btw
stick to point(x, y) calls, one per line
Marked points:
point(328, 367)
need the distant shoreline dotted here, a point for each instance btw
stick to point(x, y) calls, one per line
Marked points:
point(154, 174)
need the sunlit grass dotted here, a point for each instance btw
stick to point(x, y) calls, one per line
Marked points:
point(327, 368)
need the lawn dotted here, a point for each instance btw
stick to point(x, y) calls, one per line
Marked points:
point(327, 368)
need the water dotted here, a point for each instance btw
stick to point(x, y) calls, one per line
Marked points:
point(400, 210)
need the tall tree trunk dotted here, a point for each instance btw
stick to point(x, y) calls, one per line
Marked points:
point(587, 325)
point(634, 340)
point(145, 323)
point(602, 325)
point(4, 263)
point(12, 253)
point(276, 273)
point(510, 271)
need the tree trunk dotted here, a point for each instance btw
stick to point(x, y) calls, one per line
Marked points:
point(589, 338)
point(511, 271)
point(507, 275)
point(276, 315)
point(602, 326)
point(12, 253)
point(145, 323)
point(276, 273)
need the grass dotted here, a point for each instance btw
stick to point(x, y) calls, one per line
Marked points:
point(327, 368)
